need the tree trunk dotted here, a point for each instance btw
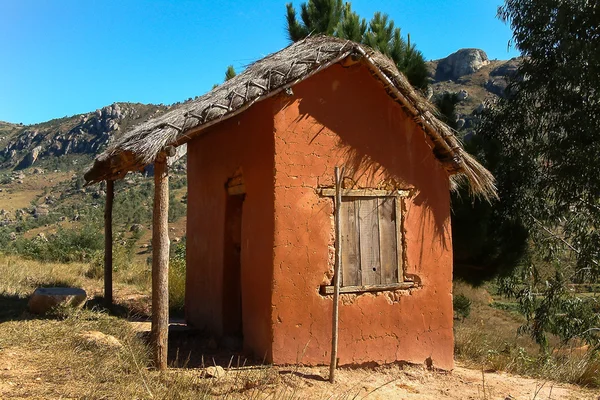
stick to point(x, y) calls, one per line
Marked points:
point(108, 244)
point(160, 263)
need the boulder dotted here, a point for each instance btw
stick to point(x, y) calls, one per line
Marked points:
point(462, 95)
point(31, 157)
point(463, 62)
point(41, 211)
point(507, 69)
point(100, 340)
point(497, 86)
point(45, 299)
point(136, 228)
point(215, 372)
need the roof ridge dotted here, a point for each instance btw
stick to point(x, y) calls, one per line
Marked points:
point(265, 78)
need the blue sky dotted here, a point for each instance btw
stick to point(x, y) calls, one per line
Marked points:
point(66, 57)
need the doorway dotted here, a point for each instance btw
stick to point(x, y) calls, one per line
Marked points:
point(232, 270)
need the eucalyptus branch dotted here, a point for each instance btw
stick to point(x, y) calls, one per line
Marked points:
point(555, 236)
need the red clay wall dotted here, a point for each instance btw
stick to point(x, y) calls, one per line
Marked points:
point(243, 143)
point(343, 116)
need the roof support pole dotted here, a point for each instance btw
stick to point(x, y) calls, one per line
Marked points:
point(160, 263)
point(336, 273)
point(108, 244)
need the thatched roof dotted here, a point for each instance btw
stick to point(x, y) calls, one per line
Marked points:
point(269, 76)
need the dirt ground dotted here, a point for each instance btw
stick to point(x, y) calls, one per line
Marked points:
point(20, 379)
point(414, 382)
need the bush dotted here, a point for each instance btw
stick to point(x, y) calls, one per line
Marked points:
point(462, 305)
point(64, 246)
point(122, 255)
point(177, 277)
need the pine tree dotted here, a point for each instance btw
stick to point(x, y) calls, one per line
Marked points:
point(351, 26)
point(334, 18)
point(230, 73)
point(318, 16)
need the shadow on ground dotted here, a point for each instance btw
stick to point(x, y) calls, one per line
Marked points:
point(192, 348)
point(120, 310)
point(13, 307)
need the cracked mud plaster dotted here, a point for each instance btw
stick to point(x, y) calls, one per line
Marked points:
point(287, 147)
point(382, 151)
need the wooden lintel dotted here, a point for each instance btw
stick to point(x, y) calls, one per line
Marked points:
point(236, 190)
point(330, 192)
point(369, 288)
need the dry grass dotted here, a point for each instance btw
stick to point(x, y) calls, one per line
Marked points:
point(47, 357)
point(54, 361)
point(59, 364)
point(488, 340)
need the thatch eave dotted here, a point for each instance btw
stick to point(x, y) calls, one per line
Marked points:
point(268, 77)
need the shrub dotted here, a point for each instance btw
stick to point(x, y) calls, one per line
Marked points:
point(66, 245)
point(462, 305)
point(177, 277)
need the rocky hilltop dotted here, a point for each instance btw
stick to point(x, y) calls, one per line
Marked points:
point(473, 78)
point(84, 134)
point(467, 73)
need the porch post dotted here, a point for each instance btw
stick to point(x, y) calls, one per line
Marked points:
point(108, 244)
point(160, 263)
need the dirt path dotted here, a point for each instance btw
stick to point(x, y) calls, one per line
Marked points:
point(19, 378)
point(418, 383)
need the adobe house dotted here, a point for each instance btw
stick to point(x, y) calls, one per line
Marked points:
point(262, 149)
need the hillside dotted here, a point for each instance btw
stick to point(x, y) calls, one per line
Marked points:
point(41, 165)
point(475, 79)
point(51, 234)
point(62, 142)
point(82, 135)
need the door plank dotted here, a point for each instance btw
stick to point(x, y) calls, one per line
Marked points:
point(387, 240)
point(350, 244)
point(368, 221)
point(400, 240)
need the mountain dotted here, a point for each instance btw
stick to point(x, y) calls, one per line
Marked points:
point(475, 80)
point(65, 142)
point(80, 136)
point(41, 166)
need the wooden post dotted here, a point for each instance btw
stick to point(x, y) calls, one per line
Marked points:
point(160, 263)
point(336, 274)
point(108, 244)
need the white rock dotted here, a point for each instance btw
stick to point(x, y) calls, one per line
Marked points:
point(462, 95)
point(215, 372)
point(100, 340)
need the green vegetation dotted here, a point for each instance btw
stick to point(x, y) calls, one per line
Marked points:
point(65, 246)
point(335, 18)
point(540, 142)
point(230, 73)
point(461, 305)
point(177, 277)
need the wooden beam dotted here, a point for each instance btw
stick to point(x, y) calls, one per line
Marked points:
point(330, 192)
point(160, 263)
point(108, 244)
point(339, 175)
point(236, 190)
point(369, 288)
